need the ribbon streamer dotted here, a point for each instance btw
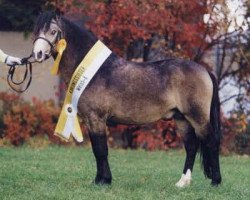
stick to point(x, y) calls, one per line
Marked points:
point(60, 47)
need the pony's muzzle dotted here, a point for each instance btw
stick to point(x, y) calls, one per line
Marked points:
point(41, 50)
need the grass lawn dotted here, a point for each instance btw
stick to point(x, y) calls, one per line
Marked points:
point(67, 173)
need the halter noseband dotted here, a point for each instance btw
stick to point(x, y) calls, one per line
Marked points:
point(43, 38)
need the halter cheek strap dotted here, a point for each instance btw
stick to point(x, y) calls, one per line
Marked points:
point(59, 36)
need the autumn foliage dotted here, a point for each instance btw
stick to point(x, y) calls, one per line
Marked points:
point(121, 22)
point(22, 120)
point(236, 133)
point(161, 135)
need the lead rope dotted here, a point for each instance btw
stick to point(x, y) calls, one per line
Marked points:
point(28, 70)
point(28, 64)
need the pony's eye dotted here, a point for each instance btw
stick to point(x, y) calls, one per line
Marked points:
point(53, 32)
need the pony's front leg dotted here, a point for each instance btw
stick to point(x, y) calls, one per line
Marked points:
point(100, 150)
point(98, 138)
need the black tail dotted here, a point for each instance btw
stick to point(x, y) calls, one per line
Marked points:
point(214, 136)
point(215, 109)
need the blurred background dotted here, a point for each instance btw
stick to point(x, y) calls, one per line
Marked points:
point(214, 33)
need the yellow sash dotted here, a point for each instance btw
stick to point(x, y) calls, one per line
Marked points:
point(68, 121)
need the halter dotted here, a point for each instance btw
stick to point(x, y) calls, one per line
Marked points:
point(52, 46)
point(28, 65)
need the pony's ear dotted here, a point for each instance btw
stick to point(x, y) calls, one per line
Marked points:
point(59, 21)
point(58, 12)
point(58, 18)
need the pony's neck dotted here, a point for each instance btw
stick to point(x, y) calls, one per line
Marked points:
point(79, 42)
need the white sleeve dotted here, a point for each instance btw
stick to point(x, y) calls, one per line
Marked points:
point(3, 56)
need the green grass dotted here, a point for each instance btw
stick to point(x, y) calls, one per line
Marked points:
point(67, 173)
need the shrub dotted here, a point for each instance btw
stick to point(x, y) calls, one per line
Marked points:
point(161, 135)
point(7, 101)
point(21, 120)
point(236, 133)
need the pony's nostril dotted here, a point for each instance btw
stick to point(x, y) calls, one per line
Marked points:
point(39, 55)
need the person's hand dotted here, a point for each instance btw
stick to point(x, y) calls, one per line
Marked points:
point(10, 60)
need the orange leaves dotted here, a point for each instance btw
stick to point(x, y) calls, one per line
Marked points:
point(161, 135)
point(121, 22)
point(17, 122)
point(237, 122)
point(236, 133)
point(23, 120)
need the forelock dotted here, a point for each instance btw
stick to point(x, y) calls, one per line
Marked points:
point(43, 22)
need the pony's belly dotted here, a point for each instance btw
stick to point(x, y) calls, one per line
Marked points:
point(130, 121)
point(141, 117)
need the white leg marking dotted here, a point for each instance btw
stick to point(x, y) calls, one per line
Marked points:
point(185, 179)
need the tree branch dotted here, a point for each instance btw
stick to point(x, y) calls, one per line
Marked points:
point(229, 98)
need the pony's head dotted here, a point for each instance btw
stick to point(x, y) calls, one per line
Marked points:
point(47, 32)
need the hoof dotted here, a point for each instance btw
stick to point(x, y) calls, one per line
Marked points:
point(103, 180)
point(208, 173)
point(216, 182)
point(185, 180)
point(209, 176)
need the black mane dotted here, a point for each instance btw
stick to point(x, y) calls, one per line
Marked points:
point(80, 38)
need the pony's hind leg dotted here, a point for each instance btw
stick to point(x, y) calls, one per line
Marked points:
point(191, 143)
point(201, 108)
point(209, 138)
